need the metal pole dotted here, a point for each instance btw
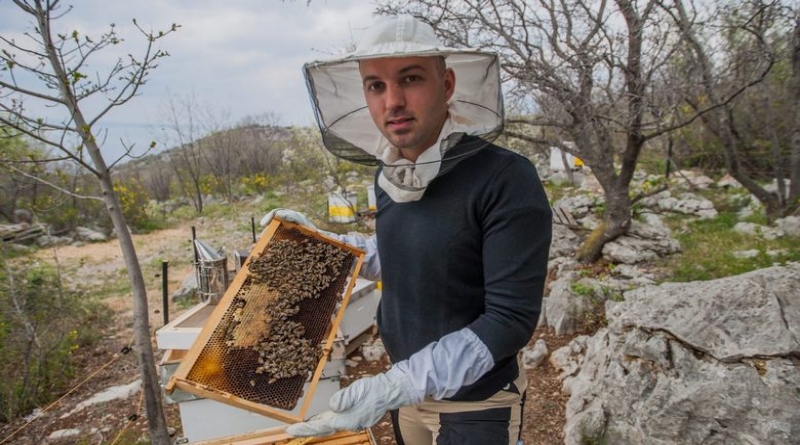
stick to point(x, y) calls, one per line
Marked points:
point(165, 291)
point(194, 246)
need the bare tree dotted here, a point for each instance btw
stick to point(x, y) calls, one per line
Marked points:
point(794, 190)
point(19, 164)
point(58, 62)
point(262, 139)
point(223, 150)
point(158, 179)
point(721, 77)
point(587, 71)
point(586, 76)
point(182, 134)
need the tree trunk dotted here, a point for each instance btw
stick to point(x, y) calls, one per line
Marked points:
point(616, 220)
point(720, 120)
point(730, 146)
point(775, 142)
point(794, 185)
point(156, 421)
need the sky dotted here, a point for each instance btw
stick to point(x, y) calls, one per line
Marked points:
point(239, 58)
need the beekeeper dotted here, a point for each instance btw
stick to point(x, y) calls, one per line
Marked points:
point(463, 230)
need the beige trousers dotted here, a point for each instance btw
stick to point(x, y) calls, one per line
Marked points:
point(496, 420)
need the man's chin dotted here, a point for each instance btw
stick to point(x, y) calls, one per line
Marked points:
point(400, 140)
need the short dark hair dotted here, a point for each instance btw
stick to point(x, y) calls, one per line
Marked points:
point(441, 65)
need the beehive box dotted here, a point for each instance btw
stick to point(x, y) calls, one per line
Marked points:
point(259, 346)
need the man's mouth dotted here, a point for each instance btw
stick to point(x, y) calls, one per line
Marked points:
point(400, 123)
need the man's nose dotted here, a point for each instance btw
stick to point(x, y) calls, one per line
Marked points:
point(395, 97)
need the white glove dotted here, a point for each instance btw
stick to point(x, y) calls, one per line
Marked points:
point(287, 215)
point(358, 406)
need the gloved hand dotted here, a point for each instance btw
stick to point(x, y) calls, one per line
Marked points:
point(358, 406)
point(287, 215)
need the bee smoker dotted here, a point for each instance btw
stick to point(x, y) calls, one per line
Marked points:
point(211, 267)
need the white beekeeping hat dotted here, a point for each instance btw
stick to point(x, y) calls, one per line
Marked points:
point(336, 89)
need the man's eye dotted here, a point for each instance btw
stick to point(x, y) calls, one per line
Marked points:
point(411, 79)
point(375, 86)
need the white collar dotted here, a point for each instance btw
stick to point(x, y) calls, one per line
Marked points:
point(406, 181)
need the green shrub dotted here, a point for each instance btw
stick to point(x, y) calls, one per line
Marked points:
point(133, 200)
point(41, 327)
point(256, 184)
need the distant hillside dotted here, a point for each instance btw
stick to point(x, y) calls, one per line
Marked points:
point(263, 136)
point(213, 164)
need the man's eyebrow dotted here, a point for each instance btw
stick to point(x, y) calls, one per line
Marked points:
point(369, 78)
point(404, 70)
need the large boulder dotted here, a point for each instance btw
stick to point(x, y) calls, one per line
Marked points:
point(90, 235)
point(574, 301)
point(691, 363)
point(644, 241)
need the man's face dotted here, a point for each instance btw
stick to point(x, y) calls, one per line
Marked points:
point(407, 98)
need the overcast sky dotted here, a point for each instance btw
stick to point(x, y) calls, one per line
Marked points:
point(242, 57)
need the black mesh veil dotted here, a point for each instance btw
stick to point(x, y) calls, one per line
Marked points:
point(347, 129)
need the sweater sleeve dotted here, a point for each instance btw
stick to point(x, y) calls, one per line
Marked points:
point(517, 229)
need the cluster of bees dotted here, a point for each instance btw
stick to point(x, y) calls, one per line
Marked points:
point(298, 270)
point(295, 271)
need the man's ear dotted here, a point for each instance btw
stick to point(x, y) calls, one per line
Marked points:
point(449, 83)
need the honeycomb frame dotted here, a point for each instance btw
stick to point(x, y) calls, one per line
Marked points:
point(213, 369)
point(277, 436)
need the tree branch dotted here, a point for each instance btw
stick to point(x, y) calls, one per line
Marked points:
point(50, 184)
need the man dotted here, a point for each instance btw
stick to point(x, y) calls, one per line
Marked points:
point(462, 236)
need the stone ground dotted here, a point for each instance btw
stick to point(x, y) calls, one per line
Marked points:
point(122, 421)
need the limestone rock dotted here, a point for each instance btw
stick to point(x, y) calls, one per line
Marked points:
point(374, 351)
point(562, 307)
point(758, 230)
point(691, 363)
point(87, 234)
point(188, 290)
point(62, 436)
point(729, 181)
point(579, 205)
point(564, 242)
point(692, 178)
point(643, 242)
point(685, 203)
point(573, 300)
point(789, 225)
point(532, 357)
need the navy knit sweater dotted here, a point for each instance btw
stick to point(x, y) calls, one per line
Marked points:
point(472, 252)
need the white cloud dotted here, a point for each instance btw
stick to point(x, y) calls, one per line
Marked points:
point(245, 57)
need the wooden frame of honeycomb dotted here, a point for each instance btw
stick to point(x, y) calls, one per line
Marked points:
point(277, 436)
point(234, 361)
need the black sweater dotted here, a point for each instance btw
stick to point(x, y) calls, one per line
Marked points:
point(472, 252)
